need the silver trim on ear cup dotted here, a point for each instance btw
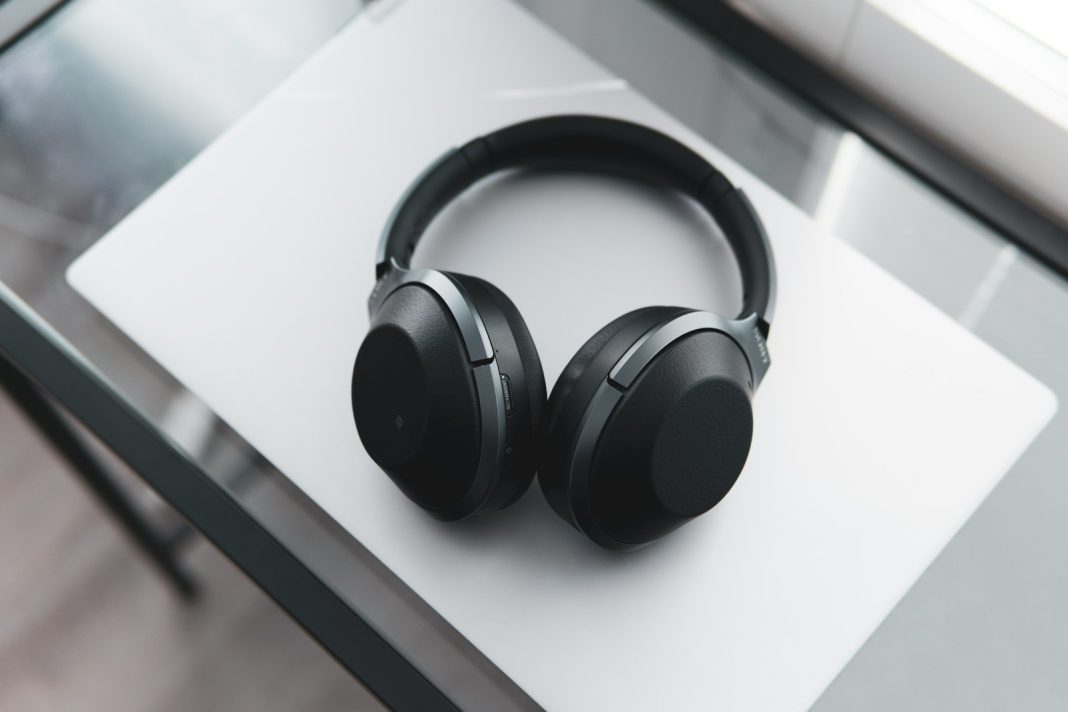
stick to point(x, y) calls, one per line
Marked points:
point(743, 332)
point(602, 404)
point(472, 330)
point(491, 456)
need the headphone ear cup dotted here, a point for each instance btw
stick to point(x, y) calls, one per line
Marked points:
point(675, 443)
point(521, 373)
point(574, 389)
point(671, 445)
point(416, 403)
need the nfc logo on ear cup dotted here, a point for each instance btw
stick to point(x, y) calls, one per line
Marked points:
point(393, 414)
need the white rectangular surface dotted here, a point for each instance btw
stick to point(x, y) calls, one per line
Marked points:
point(881, 425)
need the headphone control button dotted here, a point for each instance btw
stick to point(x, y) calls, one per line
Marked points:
point(506, 389)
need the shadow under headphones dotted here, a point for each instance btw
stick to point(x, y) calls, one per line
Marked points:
point(649, 424)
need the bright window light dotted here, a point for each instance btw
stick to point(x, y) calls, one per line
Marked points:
point(1044, 20)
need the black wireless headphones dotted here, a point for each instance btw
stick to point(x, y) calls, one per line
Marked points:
point(650, 423)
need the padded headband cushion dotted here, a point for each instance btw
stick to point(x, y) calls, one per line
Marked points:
point(597, 144)
point(602, 145)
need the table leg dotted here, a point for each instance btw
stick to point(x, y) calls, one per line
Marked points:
point(55, 429)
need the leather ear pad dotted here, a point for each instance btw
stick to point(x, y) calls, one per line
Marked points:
point(520, 367)
point(575, 388)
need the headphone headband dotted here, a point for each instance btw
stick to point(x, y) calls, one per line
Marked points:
point(597, 144)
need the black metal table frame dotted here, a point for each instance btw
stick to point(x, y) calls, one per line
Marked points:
point(38, 369)
point(45, 362)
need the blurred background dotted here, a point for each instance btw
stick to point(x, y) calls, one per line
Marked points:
point(101, 101)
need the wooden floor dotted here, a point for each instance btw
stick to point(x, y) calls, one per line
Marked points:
point(85, 624)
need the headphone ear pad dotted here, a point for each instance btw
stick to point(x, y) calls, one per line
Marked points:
point(520, 367)
point(574, 389)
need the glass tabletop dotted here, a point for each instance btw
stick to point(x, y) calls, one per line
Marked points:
point(107, 99)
